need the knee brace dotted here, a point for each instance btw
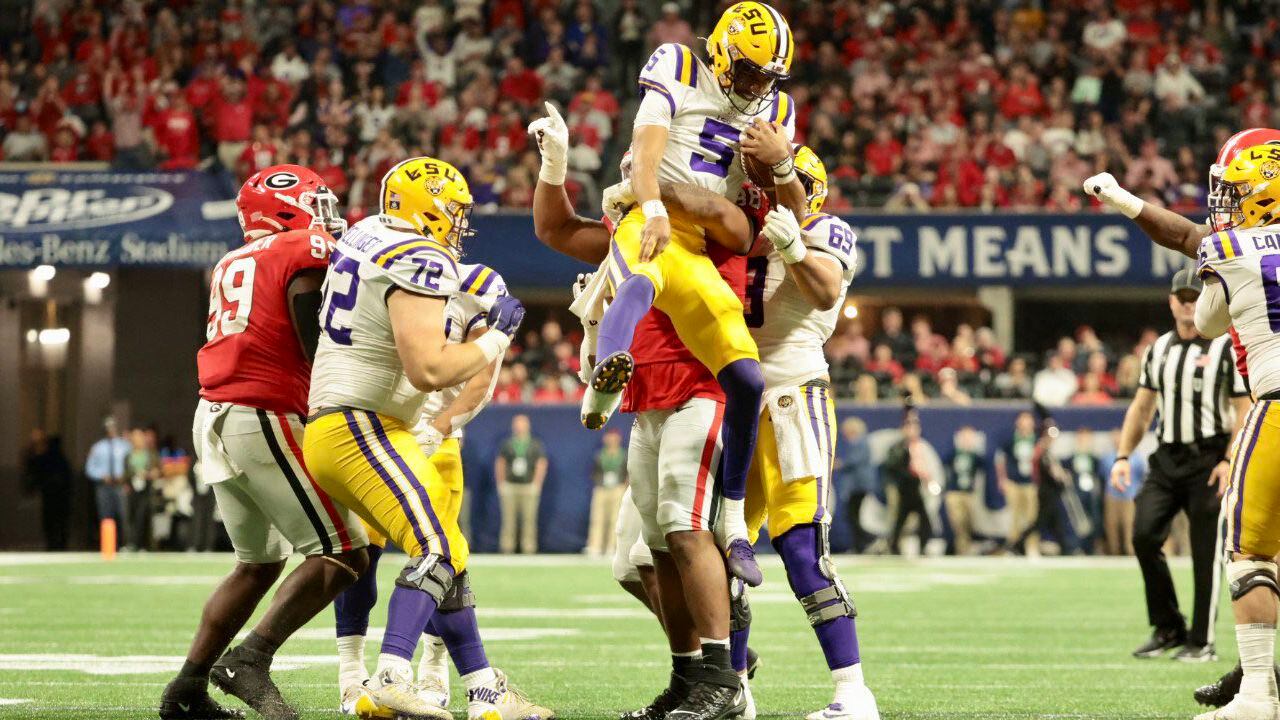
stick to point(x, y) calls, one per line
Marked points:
point(739, 607)
point(428, 574)
point(1245, 575)
point(806, 554)
point(459, 596)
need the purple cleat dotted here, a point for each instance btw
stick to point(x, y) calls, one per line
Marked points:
point(740, 558)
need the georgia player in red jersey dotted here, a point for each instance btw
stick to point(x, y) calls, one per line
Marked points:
point(255, 371)
point(1171, 230)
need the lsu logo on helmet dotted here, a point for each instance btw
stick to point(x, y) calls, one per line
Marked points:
point(1251, 193)
point(428, 196)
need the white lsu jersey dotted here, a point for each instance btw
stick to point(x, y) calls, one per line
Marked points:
point(1247, 265)
point(467, 310)
point(356, 363)
point(681, 94)
point(788, 330)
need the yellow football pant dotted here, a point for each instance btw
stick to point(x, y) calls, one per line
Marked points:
point(707, 314)
point(1252, 502)
point(447, 460)
point(372, 464)
point(784, 505)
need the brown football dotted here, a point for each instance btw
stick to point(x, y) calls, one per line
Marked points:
point(759, 173)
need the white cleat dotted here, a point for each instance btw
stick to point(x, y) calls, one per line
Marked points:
point(433, 671)
point(1245, 708)
point(744, 695)
point(862, 706)
point(394, 694)
point(604, 391)
point(499, 701)
point(433, 692)
point(349, 694)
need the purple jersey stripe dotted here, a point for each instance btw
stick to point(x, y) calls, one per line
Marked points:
point(390, 449)
point(358, 434)
point(466, 283)
point(817, 435)
point(617, 259)
point(1235, 244)
point(679, 64)
point(437, 251)
point(1217, 244)
point(484, 286)
point(1262, 408)
point(647, 84)
point(472, 323)
point(392, 248)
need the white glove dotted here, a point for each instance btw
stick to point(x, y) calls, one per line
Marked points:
point(581, 283)
point(429, 439)
point(1104, 187)
point(783, 230)
point(616, 200)
point(553, 142)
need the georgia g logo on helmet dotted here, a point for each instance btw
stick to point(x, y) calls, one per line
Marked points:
point(281, 180)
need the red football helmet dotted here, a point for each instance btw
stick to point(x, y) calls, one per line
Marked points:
point(287, 197)
point(1219, 201)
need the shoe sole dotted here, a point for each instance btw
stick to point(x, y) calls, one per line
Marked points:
point(610, 378)
point(1199, 659)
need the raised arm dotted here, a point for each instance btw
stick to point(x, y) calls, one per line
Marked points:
point(1165, 227)
point(430, 363)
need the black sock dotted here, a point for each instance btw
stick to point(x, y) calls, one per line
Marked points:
point(682, 664)
point(716, 655)
point(258, 643)
point(192, 670)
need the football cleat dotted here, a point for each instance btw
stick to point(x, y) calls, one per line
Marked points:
point(433, 671)
point(1161, 642)
point(188, 699)
point(246, 674)
point(862, 706)
point(431, 690)
point(753, 663)
point(740, 558)
point(1196, 654)
point(498, 700)
point(710, 702)
point(604, 392)
point(669, 699)
point(1224, 689)
point(748, 702)
point(392, 694)
point(1245, 708)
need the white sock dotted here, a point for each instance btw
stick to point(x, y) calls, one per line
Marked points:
point(848, 680)
point(735, 524)
point(351, 658)
point(479, 678)
point(401, 669)
point(1257, 643)
point(434, 662)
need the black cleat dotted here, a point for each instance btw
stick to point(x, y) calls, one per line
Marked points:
point(753, 663)
point(1195, 653)
point(1224, 689)
point(246, 674)
point(188, 699)
point(669, 699)
point(1161, 642)
point(711, 702)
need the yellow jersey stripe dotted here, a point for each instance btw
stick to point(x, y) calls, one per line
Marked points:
point(474, 287)
point(390, 257)
point(1228, 252)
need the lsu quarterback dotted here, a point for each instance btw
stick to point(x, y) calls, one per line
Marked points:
point(1170, 230)
point(382, 349)
point(672, 460)
point(1239, 267)
point(694, 120)
point(439, 432)
point(794, 295)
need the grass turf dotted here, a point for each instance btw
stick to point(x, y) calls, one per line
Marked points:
point(983, 638)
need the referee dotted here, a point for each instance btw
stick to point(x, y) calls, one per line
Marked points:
point(1192, 386)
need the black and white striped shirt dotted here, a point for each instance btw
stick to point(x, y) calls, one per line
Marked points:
point(1195, 381)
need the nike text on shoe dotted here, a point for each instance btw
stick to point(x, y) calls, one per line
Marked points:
point(498, 700)
point(604, 392)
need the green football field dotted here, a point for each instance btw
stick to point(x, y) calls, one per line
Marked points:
point(983, 638)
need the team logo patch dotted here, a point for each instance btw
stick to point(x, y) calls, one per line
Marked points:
point(393, 201)
point(784, 401)
point(434, 185)
point(735, 26)
point(1270, 169)
point(281, 180)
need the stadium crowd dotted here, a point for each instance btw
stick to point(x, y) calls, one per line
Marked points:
point(915, 104)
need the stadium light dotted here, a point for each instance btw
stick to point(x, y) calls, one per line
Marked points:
point(54, 336)
point(44, 273)
point(98, 281)
point(850, 311)
point(33, 336)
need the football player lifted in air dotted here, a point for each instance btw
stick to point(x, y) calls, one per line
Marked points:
point(438, 432)
point(1171, 230)
point(675, 444)
point(794, 296)
point(693, 120)
point(255, 371)
point(1239, 269)
point(383, 347)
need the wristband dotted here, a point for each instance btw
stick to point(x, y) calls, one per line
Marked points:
point(552, 173)
point(780, 180)
point(1122, 457)
point(784, 167)
point(653, 209)
point(493, 345)
point(793, 253)
point(1126, 202)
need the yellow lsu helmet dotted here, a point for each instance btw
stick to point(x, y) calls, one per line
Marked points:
point(428, 196)
point(1251, 187)
point(813, 175)
point(751, 50)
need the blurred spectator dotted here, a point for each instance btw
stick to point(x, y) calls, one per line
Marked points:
point(1014, 465)
point(1086, 474)
point(855, 477)
point(966, 473)
point(901, 345)
point(142, 466)
point(520, 469)
point(1050, 482)
point(1091, 392)
point(904, 467)
point(609, 476)
point(670, 28)
point(1055, 385)
point(25, 143)
point(105, 468)
point(47, 472)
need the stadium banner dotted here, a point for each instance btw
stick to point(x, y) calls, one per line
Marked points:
point(102, 218)
point(565, 509)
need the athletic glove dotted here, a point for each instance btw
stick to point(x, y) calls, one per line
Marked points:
point(783, 230)
point(581, 283)
point(553, 142)
point(429, 439)
point(616, 200)
point(1104, 187)
point(504, 321)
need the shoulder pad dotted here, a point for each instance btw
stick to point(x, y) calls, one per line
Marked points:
point(1219, 246)
point(783, 110)
point(418, 264)
point(830, 234)
point(481, 280)
point(670, 67)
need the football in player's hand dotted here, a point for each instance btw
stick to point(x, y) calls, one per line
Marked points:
point(758, 172)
